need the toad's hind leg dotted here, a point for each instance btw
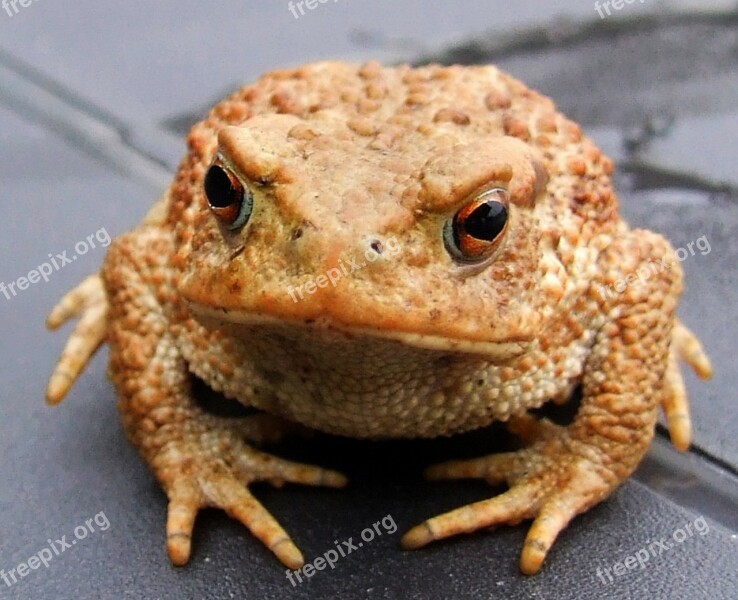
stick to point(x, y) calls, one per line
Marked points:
point(201, 460)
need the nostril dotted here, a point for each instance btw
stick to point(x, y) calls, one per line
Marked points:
point(296, 234)
point(376, 245)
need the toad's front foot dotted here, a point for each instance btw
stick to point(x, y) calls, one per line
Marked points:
point(210, 466)
point(551, 482)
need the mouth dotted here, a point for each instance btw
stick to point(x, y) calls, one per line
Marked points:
point(496, 351)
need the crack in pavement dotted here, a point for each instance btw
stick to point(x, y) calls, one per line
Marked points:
point(86, 127)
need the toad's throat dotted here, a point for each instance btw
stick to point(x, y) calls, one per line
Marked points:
point(355, 383)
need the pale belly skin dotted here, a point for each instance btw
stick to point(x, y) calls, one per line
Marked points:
point(370, 358)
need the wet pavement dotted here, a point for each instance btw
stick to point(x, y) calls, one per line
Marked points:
point(95, 99)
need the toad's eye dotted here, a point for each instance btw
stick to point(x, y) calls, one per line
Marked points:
point(476, 230)
point(229, 200)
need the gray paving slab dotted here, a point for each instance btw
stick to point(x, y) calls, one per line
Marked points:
point(51, 199)
point(135, 67)
point(701, 146)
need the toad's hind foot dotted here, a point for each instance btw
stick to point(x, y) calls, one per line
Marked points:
point(88, 302)
point(675, 404)
point(213, 469)
point(548, 483)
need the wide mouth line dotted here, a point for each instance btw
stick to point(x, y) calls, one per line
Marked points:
point(499, 350)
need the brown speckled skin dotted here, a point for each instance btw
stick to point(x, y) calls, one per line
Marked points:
point(341, 158)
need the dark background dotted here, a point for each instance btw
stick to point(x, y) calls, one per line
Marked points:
point(95, 100)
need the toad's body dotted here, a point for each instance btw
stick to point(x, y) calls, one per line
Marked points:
point(388, 252)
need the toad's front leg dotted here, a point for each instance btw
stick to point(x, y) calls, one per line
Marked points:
point(201, 460)
point(630, 372)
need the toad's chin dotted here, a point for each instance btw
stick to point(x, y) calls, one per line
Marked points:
point(325, 327)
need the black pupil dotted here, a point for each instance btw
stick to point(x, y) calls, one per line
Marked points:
point(218, 188)
point(487, 221)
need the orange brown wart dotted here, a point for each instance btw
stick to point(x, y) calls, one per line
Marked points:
point(508, 232)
